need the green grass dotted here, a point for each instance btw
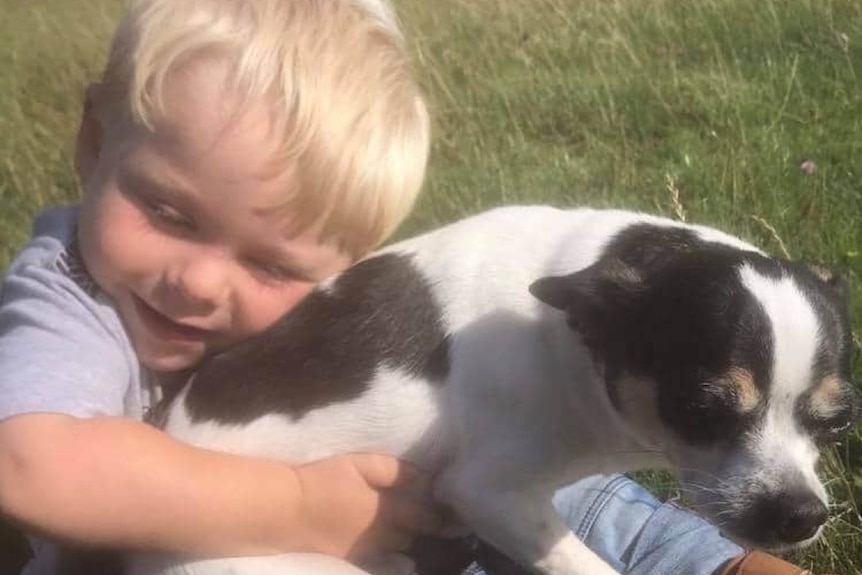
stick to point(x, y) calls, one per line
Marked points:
point(706, 109)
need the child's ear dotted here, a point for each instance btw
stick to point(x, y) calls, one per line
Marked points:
point(88, 145)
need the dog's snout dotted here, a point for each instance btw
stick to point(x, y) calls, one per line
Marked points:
point(787, 518)
point(804, 514)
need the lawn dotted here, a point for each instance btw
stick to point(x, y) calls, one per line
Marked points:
point(739, 114)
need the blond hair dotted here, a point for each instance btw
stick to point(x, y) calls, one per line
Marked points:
point(336, 72)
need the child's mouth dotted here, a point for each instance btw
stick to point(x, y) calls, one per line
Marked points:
point(164, 327)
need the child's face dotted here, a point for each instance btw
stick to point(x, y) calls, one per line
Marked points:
point(172, 226)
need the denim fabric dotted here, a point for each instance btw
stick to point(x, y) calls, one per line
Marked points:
point(636, 533)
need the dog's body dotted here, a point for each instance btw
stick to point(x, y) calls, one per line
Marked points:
point(663, 345)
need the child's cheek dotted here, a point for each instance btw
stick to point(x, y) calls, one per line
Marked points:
point(269, 304)
point(117, 241)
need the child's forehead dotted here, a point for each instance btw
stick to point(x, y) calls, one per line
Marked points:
point(204, 127)
point(255, 214)
point(200, 106)
point(195, 155)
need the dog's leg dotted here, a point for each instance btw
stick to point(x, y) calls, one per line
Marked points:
point(530, 531)
point(522, 525)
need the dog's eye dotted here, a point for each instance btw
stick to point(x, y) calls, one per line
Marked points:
point(832, 430)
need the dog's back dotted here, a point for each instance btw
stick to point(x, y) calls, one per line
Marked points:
point(361, 363)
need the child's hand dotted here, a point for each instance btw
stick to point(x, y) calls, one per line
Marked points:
point(354, 505)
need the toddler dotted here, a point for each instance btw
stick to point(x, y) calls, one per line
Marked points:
point(234, 154)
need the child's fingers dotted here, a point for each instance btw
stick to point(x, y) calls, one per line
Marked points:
point(383, 471)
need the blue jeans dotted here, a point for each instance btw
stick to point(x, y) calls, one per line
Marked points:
point(632, 530)
point(636, 533)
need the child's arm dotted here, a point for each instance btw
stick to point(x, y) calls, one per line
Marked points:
point(118, 482)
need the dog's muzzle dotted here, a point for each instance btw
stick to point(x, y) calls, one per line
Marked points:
point(784, 520)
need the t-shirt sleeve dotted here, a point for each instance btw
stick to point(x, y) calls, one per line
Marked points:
point(57, 352)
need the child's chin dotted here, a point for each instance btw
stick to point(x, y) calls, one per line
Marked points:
point(169, 361)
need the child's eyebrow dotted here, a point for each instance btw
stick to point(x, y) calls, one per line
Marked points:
point(141, 179)
point(302, 268)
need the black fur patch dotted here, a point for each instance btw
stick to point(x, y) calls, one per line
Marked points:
point(379, 312)
point(665, 304)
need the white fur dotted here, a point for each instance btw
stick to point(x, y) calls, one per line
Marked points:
point(523, 412)
point(781, 452)
point(366, 423)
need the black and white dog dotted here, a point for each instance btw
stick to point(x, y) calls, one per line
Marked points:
point(521, 349)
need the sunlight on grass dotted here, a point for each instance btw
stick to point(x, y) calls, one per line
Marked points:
point(751, 110)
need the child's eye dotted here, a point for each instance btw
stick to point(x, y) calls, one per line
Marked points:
point(273, 272)
point(169, 216)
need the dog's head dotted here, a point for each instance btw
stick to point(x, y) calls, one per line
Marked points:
point(735, 364)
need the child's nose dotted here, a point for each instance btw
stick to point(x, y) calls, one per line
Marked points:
point(201, 280)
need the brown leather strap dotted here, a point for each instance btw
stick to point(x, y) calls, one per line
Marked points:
point(760, 563)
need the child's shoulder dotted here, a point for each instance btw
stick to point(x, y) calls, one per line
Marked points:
point(51, 254)
point(53, 230)
point(63, 347)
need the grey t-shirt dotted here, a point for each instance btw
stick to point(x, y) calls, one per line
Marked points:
point(63, 348)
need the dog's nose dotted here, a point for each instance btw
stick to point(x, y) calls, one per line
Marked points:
point(782, 518)
point(802, 515)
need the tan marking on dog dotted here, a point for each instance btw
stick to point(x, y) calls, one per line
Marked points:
point(745, 390)
point(826, 399)
point(822, 272)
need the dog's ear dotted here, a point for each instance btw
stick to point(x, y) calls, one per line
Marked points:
point(833, 280)
point(556, 291)
point(637, 253)
point(606, 284)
